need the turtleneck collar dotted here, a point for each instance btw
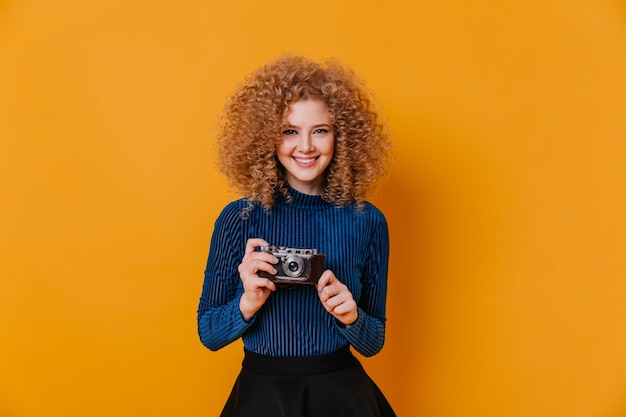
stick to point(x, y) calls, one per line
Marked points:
point(306, 200)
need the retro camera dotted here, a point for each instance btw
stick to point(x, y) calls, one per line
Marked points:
point(295, 265)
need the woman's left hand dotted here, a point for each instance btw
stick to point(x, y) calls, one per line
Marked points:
point(337, 298)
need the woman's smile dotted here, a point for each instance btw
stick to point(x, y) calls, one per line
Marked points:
point(307, 145)
point(305, 161)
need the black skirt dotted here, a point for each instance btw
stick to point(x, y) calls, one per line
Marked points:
point(320, 386)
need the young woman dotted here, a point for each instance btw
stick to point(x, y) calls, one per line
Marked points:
point(304, 142)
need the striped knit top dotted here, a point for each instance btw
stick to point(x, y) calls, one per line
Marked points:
point(293, 322)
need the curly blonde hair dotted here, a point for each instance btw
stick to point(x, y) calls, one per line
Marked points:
point(249, 130)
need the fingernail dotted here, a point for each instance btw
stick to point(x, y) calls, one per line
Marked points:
point(319, 288)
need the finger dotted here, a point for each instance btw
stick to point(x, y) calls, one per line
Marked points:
point(260, 282)
point(327, 293)
point(332, 289)
point(339, 309)
point(327, 278)
point(253, 243)
point(256, 283)
point(337, 299)
point(344, 308)
point(252, 267)
point(266, 266)
point(255, 257)
point(270, 285)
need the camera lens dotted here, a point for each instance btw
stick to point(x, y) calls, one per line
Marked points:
point(294, 266)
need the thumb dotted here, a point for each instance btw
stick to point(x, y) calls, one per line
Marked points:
point(327, 278)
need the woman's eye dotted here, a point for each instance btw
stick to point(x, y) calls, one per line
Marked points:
point(289, 132)
point(320, 131)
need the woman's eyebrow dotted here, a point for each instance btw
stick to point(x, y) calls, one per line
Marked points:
point(298, 127)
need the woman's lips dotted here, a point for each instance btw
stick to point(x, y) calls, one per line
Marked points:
point(305, 161)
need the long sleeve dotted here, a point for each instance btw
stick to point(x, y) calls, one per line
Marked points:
point(219, 319)
point(367, 334)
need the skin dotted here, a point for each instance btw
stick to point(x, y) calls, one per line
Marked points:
point(307, 145)
point(305, 150)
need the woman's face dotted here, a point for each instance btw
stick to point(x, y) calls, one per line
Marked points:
point(307, 145)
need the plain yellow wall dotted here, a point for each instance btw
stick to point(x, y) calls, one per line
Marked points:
point(506, 203)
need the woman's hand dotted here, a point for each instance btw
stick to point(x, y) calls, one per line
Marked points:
point(256, 290)
point(337, 298)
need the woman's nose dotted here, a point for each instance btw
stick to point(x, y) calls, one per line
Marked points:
point(306, 143)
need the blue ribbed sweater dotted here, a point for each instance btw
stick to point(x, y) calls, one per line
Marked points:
point(293, 322)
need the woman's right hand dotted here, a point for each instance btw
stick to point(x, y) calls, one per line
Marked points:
point(256, 289)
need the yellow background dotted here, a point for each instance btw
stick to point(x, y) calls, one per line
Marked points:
point(506, 202)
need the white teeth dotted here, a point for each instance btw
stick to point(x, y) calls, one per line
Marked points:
point(304, 161)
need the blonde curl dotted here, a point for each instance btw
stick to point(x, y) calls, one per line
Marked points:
point(250, 125)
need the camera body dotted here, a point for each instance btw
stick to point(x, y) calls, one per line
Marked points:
point(295, 265)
